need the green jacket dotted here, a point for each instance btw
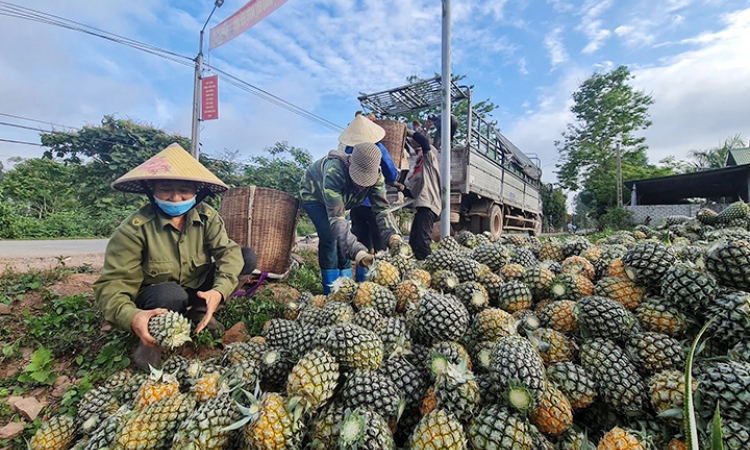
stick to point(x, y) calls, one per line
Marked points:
point(147, 249)
point(327, 181)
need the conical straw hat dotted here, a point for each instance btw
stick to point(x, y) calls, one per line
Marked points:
point(172, 163)
point(361, 129)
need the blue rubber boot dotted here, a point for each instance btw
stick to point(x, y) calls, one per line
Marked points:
point(361, 274)
point(345, 273)
point(328, 276)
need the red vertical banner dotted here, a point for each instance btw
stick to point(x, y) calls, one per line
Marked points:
point(210, 98)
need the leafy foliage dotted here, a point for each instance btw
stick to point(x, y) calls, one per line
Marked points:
point(282, 169)
point(39, 369)
point(716, 157)
point(617, 218)
point(554, 207)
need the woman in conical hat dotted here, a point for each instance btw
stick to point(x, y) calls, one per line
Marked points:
point(172, 254)
point(364, 223)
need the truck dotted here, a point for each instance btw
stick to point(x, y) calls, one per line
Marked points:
point(494, 186)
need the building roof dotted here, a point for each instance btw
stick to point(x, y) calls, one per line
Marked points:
point(738, 156)
point(730, 182)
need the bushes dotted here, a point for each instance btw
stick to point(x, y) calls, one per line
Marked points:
point(615, 219)
point(64, 224)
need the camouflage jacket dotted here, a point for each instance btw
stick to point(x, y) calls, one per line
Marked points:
point(327, 181)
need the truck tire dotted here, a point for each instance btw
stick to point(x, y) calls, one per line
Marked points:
point(494, 221)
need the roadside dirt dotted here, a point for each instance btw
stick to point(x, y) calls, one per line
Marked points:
point(95, 260)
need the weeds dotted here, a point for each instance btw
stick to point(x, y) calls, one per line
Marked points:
point(68, 325)
point(252, 311)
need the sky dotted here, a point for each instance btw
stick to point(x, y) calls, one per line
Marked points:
point(526, 56)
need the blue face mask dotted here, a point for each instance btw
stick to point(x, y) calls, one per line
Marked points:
point(174, 209)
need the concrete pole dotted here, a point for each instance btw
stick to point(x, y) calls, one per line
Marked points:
point(619, 177)
point(445, 123)
point(195, 136)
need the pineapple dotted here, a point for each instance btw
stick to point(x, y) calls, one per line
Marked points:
point(559, 316)
point(518, 371)
point(444, 353)
point(524, 257)
point(370, 389)
point(170, 329)
point(205, 427)
point(158, 386)
point(56, 433)
point(342, 290)
point(466, 269)
point(438, 430)
point(727, 383)
point(275, 428)
point(395, 334)
point(492, 283)
point(621, 290)
point(647, 263)
point(473, 295)
point(604, 318)
point(667, 390)
point(617, 380)
point(354, 347)
point(410, 380)
point(575, 382)
point(734, 434)
point(729, 262)
point(688, 287)
point(238, 351)
point(154, 426)
point(365, 429)
point(492, 323)
point(274, 369)
point(539, 280)
point(95, 406)
point(407, 294)
point(280, 332)
point(706, 216)
point(577, 265)
point(656, 314)
point(619, 439)
point(421, 276)
point(494, 256)
point(552, 249)
point(384, 273)
point(324, 433)
point(441, 318)
point(440, 259)
point(444, 281)
point(497, 427)
point(104, 435)
point(554, 414)
point(369, 318)
point(736, 211)
point(553, 346)
point(653, 352)
point(513, 271)
point(732, 310)
point(373, 295)
point(457, 391)
point(513, 296)
point(313, 379)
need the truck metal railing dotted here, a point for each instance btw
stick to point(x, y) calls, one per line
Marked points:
point(410, 97)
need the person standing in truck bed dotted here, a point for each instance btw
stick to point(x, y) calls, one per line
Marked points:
point(423, 185)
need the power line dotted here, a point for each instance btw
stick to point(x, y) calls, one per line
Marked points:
point(11, 10)
point(21, 142)
point(38, 121)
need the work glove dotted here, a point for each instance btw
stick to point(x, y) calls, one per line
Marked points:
point(394, 241)
point(398, 186)
point(364, 258)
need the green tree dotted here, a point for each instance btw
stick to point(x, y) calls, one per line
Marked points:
point(40, 186)
point(282, 170)
point(554, 207)
point(608, 112)
point(716, 157)
point(103, 153)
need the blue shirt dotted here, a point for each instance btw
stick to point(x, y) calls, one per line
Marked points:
point(387, 166)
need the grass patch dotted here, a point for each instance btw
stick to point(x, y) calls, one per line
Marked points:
point(253, 311)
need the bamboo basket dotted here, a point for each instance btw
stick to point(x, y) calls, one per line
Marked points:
point(395, 138)
point(266, 221)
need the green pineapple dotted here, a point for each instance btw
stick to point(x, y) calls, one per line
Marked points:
point(280, 332)
point(457, 391)
point(466, 269)
point(324, 432)
point(497, 427)
point(373, 295)
point(604, 318)
point(688, 287)
point(727, 383)
point(103, 437)
point(342, 290)
point(552, 249)
point(647, 263)
point(395, 334)
point(368, 318)
point(618, 382)
point(473, 295)
point(366, 430)
point(732, 312)
point(513, 296)
point(205, 427)
point(735, 211)
point(494, 256)
point(354, 347)
point(553, 346)
point(667, 390)
point(539, 280)
point(274, 369)
point(370, 389)
point(707, 216)
point(444, 281)
point(575, 382)
point(410, 380)
point(657, 314)
point(729, 262)
point(654, 352)
point(441, 318)
point(518, 371)
point(440, 259)
point(170, 329)
point(95, 406)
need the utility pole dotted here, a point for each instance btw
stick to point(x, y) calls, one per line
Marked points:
point(195, 135)
point(619, 177)
point(445, 125)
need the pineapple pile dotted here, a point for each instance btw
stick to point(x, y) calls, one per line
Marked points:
point(518, 343)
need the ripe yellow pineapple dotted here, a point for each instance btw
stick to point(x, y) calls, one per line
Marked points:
point(384, 273)
point(554, 415)
point(619, 439)
point(407, 295)
point(420, 276)
point(275, 428)
point(621, 290)
point(153, 427)
point(616, 269)
point(55, 434)
point(158, 386)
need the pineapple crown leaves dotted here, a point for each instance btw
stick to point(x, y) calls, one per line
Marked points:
point(249, 413)
point(520, 397)
point(352, 429)
point(691, 423)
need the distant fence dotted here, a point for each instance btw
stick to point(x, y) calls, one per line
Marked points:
point(657, 212)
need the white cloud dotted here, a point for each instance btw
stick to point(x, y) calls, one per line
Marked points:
point(522, 67)
point(495, 7)
point(555, 47)
point(560, 5)
point(701, 97)
point(591, 25)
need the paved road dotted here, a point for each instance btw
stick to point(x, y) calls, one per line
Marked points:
point(46, 249)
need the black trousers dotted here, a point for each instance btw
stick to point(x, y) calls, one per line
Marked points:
point(172, 296)
point(420, 236)
point(365, 227)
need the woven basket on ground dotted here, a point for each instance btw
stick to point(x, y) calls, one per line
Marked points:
point(395, 137)
point(264, 220)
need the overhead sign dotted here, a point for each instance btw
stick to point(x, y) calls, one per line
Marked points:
point(239, 22)
point(210, 98)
